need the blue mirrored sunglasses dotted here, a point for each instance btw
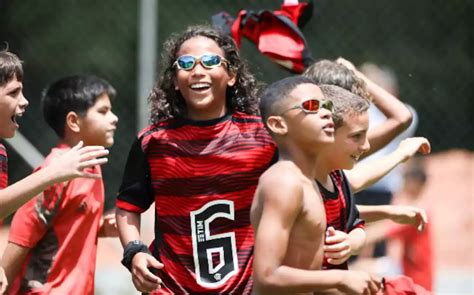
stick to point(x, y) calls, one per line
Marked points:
point(208, 61)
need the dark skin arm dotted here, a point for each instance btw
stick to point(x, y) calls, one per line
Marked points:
point(65, 167)
point(282, 199)
point(128, 224)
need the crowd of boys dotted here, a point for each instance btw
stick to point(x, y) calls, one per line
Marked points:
point(252, 191)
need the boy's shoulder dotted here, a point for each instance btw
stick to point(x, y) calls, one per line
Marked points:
point(53, 153)
point(281, 175)
point(283, 185)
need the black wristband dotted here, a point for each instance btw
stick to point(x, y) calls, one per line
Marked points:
point(130, 250)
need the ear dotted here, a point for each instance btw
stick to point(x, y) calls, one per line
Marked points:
point(232, 80)
point(277, 125)
point(73, 122)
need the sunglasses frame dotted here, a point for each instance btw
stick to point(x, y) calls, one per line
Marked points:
point(199, 60)
point(323, 103)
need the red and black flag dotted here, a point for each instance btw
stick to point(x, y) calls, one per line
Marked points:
point(277, 34)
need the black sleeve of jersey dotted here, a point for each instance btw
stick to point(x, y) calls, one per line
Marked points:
point(352, 213)
point(136, 184)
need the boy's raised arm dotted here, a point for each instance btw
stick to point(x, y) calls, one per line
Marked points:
point(401, 214)
point(65, 167)
point(366, 174)
point(398, 115)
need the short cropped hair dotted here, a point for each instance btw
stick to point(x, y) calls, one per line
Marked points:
point(277, 93)
point(10, 67)
point(327, 72)
point(72, 94)
point(345, 103)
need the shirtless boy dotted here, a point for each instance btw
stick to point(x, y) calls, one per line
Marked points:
point(288, 211)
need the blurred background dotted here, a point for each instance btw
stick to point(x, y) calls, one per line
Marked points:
point(428, 44)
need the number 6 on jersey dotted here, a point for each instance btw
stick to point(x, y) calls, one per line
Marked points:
point(215, 256)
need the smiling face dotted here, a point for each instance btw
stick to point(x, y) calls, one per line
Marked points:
point(204, 90)
point(350, 141)
point(98, 126)
point(12, 104)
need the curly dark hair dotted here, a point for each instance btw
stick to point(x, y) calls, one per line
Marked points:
point(332, 73)
point(166, 102)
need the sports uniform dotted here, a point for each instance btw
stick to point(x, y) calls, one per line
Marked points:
point(202, 176)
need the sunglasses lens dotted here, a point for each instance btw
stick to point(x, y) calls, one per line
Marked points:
point(210, 61)
point(186, 62)
point(311, 105)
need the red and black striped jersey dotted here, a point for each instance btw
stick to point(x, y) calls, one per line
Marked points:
point(202, 177)
point(341, 210)
point(3, 167)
